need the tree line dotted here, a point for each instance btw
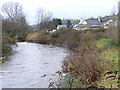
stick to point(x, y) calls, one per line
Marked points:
point(14, 20)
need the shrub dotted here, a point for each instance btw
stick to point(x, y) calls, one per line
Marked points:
point(112, 33)
point(59, 33)
point(32, 36)
point(85, 66)
point(39, 37)
point(6, 44)
point(73, 39)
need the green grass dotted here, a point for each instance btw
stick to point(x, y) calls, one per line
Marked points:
point(38, 36)
point(32, 36)
point(110, 58)
point(58, 33)
point(107, 43)
point(102, 43)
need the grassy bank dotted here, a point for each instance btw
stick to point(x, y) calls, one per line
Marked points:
point(110, 62)
point(93, 59)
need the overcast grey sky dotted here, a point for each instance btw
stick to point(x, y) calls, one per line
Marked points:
point(74, 9)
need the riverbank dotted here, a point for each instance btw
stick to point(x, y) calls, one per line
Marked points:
point(91, 53)
point(6, 46)
point(88, 58)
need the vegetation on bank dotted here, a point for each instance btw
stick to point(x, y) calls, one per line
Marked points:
point(8, 41)
point(14, 27)
point(93, 59)
point(6, 46)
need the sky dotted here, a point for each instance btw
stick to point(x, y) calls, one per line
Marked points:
point(74, 9)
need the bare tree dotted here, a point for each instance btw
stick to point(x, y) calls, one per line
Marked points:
point(14, 24)
point(43, 17)
point(113, 11)
point(13, 11)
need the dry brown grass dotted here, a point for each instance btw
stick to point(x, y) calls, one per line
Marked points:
point(85, 66)
point(112, 32)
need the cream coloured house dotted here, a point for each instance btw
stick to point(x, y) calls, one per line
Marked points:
point(87, 24)
point(90, 22)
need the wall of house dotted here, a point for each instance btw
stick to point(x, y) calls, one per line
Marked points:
point(84, 22)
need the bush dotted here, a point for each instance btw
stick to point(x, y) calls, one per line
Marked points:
point(112, 33)
point(39, 37)
point(85, 67)
point(73, 39)
point(59, 33)
point(55, 35)
point(6, 44)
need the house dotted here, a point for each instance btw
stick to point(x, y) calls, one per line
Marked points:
point(87, 24)
point(84, 27)
point(110, 21)
point(75, 22)
point(113, 23)
point(90, 22)
point(61, 26)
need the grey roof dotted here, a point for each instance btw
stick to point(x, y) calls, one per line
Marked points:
point(75, 22)
point(93, 22)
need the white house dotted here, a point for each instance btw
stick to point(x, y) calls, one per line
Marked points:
point(61, 26)
point(109, 22)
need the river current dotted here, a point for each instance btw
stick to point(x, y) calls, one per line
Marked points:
point(32, 66)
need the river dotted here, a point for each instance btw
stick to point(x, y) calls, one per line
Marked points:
point(32, 66)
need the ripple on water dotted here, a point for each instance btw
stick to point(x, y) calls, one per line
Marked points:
point(33, 66)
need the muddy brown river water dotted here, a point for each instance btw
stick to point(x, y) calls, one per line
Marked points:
point(32, 66)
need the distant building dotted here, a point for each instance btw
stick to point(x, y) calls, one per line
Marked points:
point(112, 23)
point(87, 24)
point(75, 22)
point(61, 26)
point(83, 27)
point(109, 22)
point(90, 22)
